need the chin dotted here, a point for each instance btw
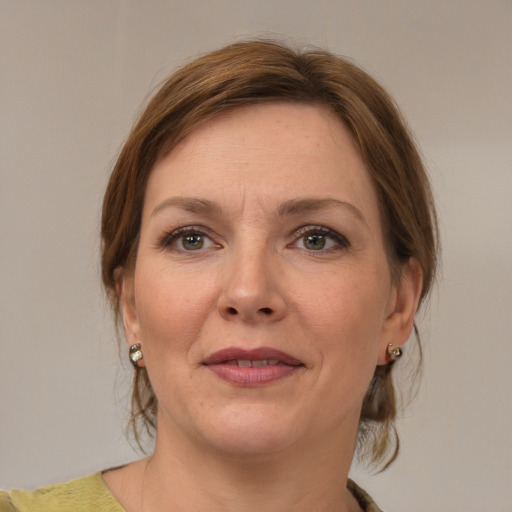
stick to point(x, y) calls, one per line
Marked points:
point(250, 443)
point(250, 432)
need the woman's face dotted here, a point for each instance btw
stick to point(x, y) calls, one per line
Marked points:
point(261, 293)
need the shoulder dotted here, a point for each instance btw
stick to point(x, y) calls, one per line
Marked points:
point(363, 498)
point(5, 502)
point(85, 494)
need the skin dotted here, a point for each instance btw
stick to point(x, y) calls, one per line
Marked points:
point(259, 269)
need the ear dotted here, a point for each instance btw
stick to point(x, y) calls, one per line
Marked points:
point(125, 292)
point(402, 308)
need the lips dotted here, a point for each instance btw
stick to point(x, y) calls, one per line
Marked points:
point(258, 354)
point(252, 367)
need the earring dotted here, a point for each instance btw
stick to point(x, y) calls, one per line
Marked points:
point(393, 353)
point(135, 354)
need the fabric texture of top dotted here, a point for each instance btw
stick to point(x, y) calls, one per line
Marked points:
point(90, 494)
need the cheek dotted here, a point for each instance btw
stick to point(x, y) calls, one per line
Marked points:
point(171, 306)
point(171, 312)
point(344, 319)
point(345, 301)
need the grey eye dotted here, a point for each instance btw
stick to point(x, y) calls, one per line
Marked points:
point(320, 239)
point(192, 241)
point(314, 242)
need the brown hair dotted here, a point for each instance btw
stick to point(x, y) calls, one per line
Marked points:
point(254, 72)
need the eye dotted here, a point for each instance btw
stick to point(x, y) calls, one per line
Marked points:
point(192, 242)
point(320, 239)
point(187, 239)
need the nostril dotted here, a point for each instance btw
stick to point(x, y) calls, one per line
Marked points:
point(266, 311)
point(232, 311)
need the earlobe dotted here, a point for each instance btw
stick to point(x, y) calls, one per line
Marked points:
point(399, 323)
point(125, 293)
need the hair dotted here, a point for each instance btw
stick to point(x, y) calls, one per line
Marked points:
point(257, 72)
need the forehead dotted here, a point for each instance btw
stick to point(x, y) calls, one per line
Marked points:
point(267, 153)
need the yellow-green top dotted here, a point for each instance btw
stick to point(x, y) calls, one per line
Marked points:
point(85, 494)
point(90, 494)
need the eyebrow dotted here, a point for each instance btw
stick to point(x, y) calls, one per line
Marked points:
point(288, 208)
point(189, 204)
point(314, 204)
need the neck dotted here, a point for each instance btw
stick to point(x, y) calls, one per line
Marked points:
point(184, 475)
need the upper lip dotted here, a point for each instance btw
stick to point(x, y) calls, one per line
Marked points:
point(257, 354)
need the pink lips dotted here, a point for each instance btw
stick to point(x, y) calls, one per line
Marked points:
point(252, 367)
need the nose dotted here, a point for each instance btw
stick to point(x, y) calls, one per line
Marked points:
point(252, 288)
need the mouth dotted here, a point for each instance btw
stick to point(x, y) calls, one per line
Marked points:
point(251, 368)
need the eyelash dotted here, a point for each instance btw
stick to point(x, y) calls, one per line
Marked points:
point(167, 241)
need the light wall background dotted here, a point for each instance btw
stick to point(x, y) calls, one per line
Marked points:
point(74, 75)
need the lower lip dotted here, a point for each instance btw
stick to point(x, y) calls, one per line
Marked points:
point(253, 376)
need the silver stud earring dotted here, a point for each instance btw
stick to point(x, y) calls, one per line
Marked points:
point(393, 353)
point(135, 354)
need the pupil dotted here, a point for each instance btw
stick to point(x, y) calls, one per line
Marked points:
point(193, 242)
point(314, 242)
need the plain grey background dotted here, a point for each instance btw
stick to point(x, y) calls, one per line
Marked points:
point(74, 75)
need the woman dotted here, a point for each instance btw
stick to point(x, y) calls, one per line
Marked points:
point(268, 236)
